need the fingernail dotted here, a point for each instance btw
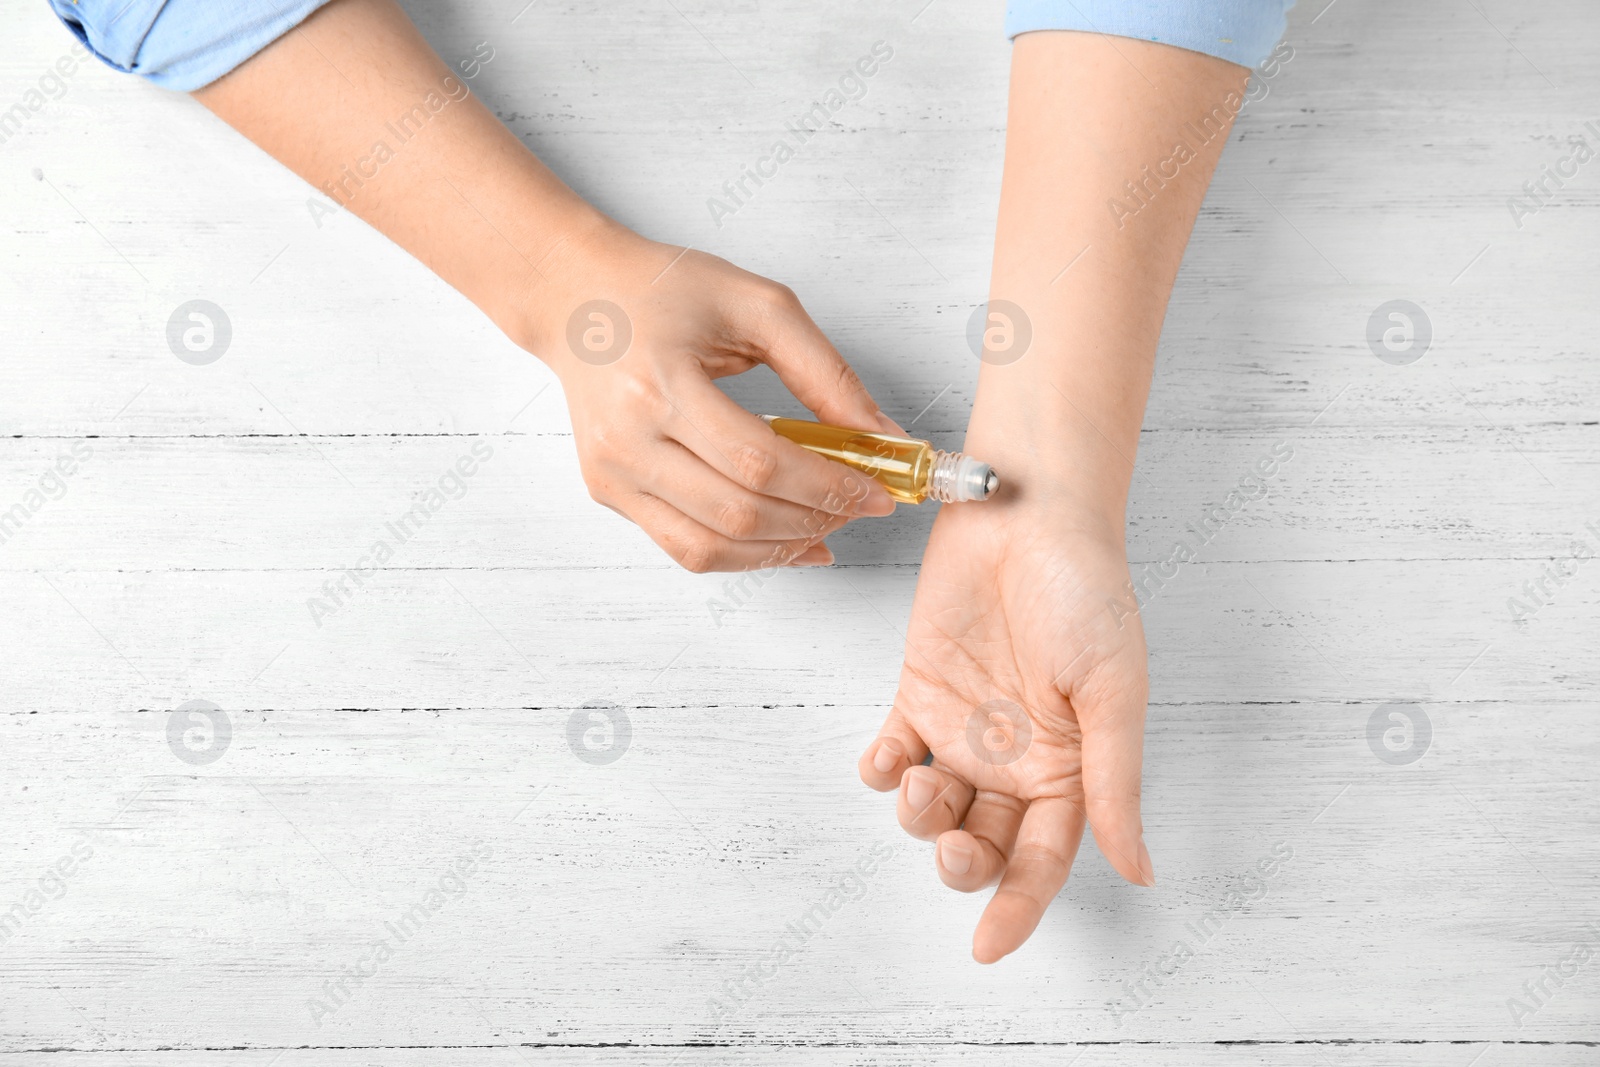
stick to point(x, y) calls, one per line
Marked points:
point(818, 555)
point(919, 790)
point(956, 858)
point(1145, 867)
point(876, 503)
point(888, 425)
point(888, 756)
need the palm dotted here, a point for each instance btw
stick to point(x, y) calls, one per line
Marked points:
point(1024, 677)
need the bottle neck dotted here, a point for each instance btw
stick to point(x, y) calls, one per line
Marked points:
point(956, 478)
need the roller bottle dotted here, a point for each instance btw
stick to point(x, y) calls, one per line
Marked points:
point(911, 470)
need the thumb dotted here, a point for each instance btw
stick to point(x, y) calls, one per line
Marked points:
point(1112, 716)
point(818, 376)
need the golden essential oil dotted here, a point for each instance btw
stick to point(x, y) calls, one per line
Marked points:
point(911, 470)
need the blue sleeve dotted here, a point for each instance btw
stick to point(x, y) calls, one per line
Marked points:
point(1240, 31)
point(180, 44)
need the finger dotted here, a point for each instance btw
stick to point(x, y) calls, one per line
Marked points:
point(975, 855)
point(932, 800)
point(1113, 750)
point(888, 425)
point(746, 450)
point(718, 503)
point(1040, 861)
point(896, 747)
point(818, 376)
point(702, 550)
point(818, 555)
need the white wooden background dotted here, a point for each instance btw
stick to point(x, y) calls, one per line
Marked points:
point(430, 716)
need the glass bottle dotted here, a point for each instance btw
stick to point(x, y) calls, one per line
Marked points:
point(911, 470)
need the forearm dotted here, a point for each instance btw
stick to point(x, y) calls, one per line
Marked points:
point(1088, 114)
point(355, 102)
point(358, 104)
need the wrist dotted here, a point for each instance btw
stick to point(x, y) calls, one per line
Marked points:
point(536, 301)
point(1055, 454)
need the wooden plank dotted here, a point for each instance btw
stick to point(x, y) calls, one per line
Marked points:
point(1362, 631)
point(236, 887)
point(431, 712)
point(1317, 492)
point(896, 1054)
point(1268, 324)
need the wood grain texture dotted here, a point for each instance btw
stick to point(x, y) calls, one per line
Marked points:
point(273, 882)
point(434, 712)
point(902, 1054)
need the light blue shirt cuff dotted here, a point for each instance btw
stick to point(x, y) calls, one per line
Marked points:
point(180, 44)
point(1240, 31)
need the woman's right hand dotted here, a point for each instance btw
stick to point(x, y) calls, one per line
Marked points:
point(637, 331)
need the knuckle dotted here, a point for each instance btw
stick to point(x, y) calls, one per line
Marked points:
point(848, 380)
point(603, 439)
point(1042, 861)
point(698, 555)
point(642, 397)
point(757, 467)
point(599, 487)
point(610, 442)
point(781, 296)
point(738, 519)
point(1115, 807)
